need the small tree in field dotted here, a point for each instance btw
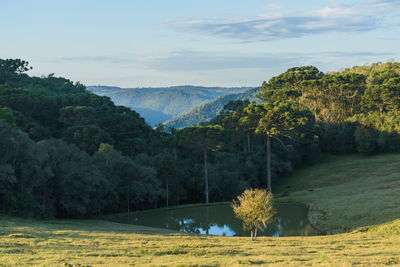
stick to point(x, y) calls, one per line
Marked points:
point(254, 208)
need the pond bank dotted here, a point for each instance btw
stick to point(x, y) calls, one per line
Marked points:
point(219, 219)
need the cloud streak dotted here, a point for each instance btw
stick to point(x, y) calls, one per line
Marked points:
point(187, 60)
point(116, 59)
point(209, 61)
point(269, 27)
point(197, 61)
point(387, 4)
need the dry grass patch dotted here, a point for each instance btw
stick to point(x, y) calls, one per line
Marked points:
point(101, 243)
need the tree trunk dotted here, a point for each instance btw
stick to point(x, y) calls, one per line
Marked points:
point(315, 109)
point(205, 172)
point(255, 234)
point(207, 221)
point(248, 143)
point(167, 191)
point(128, 197)
point(251, 235)
point(268, 163)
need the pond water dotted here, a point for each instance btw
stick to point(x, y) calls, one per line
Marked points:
point(290, 220)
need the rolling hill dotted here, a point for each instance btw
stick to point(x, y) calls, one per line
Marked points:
point(208, 111)
point(157, 105)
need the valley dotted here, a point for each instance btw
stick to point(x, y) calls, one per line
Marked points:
point(158, 105)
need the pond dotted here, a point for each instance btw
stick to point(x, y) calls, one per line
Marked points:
point(290, 220)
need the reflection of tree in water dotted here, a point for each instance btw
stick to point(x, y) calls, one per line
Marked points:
point(291, 219)
point(204, 219)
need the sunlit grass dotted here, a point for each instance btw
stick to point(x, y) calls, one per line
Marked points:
point(346, 192)
point(364, 193)
point(99, 243)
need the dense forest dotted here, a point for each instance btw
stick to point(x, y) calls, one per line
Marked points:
point(66, 152)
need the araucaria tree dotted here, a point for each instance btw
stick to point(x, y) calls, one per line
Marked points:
point(277, 120)
point(203, 137)
point(254, 208)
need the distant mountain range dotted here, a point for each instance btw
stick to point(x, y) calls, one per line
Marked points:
point(209, 110)
point(157, 105)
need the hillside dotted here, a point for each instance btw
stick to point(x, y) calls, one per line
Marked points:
point(57, 138)
point(156, 105)
point(347, 192)
point(57, 142)
point(374, 181)
point(208, 111)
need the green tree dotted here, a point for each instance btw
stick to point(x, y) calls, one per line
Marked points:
point(14, 65)
point(75, 184)
point(77, 115)
point(382, 97)
point(230, 120)
point(203, 137)
point(276, 120)
point(131, 184)
point(295, 84)
point(254, 207)
point(18, 169)
point(166, 172)
point(88, 137)
point(341, 97)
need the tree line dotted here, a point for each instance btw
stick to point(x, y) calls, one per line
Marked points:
point(66, 152)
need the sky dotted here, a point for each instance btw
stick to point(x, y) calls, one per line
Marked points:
point(151, 43)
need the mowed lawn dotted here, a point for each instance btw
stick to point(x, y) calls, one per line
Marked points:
point(346, 193)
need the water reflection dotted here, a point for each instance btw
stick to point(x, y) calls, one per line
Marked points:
point(290, 220)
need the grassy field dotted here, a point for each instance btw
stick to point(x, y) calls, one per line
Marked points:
point(347, 193)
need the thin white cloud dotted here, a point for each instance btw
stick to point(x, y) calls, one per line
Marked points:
point(183, 61)
point(187, 60)
point(117, 59)
point(384, 4)
point(269, 27)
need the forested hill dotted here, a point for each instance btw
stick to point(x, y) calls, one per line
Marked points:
point(208, 111)
point(60, 148)
point(157, 105)
point(53, 107)
point(66, 152)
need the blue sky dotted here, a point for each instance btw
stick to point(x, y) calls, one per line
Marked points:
point(140, 43)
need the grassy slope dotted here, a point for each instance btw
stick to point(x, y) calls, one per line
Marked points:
point(349, 191)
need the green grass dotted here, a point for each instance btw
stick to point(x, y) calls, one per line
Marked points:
point(347, 192)
point(354, 193)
